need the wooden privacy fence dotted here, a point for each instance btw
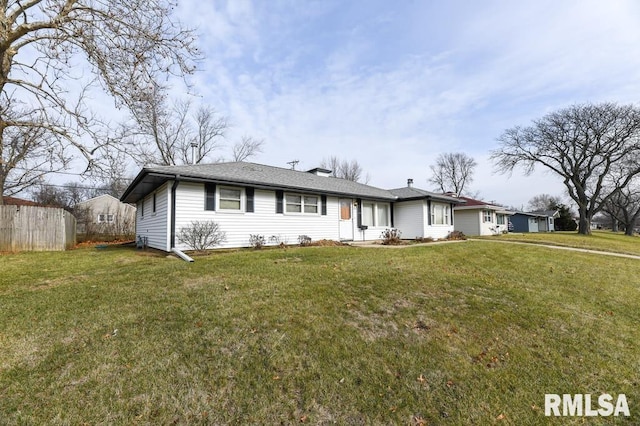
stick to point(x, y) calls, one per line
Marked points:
point(28, 228)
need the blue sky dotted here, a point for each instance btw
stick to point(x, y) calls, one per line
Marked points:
point(393, 84)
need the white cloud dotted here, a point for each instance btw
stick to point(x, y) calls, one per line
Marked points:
point(395, 84)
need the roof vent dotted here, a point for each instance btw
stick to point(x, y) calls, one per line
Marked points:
point(410, 183)
point(451, 194)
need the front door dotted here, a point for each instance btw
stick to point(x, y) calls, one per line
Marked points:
point(346, 219)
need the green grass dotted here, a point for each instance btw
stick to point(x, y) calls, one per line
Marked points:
point(599, 240)
point(450, 334)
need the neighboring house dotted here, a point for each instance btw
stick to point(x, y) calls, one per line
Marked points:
point(105, 215)
point(476, 217)
point(547, 219)
point(280, 204)
point(537, 221)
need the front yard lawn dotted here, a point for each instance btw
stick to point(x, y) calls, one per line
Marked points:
point(468, 333)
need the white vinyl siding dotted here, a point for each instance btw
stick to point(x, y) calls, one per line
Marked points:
point(468, 221)
point(412, 219)
point(155, 227)
point(263, 221)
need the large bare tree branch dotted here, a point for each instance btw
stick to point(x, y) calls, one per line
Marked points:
point(52, 51)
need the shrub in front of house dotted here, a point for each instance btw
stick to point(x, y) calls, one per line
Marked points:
point(456, 235)
point(391, 237)
point(257, 241)
point(202, 235)
point(304, 240)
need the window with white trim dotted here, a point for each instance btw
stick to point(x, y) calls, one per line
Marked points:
point(382, 218)
point(230, 199)
point(105, 218)
point(500, 219)
point(367, 214)
point(375, 214)
point(487, 216)
point(310, 204)
point(307, 204)
point(440, 214)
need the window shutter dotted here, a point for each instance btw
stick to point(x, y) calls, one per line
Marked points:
point(391, 214)
point(359, 213)
point(323, 200)
point(428, 212)
point(250, 193)
point(210, 196)
point(279, 202)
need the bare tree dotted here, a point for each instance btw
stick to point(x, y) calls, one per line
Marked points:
point(246, 148)
point(160, 134)
point(624, 207)
point(544, 202)
point(52, 53)
point(344, 169)
point(583, 144)
point(453, 172)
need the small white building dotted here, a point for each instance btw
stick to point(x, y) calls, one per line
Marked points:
point(105, 215)
point(280, 204)
point(476, 218)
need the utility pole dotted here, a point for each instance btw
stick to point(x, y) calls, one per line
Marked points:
point(293, 164)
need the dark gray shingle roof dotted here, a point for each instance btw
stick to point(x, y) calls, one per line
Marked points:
point(417, 193)
point(259, 175)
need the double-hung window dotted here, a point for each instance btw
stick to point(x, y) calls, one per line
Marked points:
point(500, 219)
point(230, 199)
point(307, 204)
point(487, 216)
point(310, 204)
point(294, 203)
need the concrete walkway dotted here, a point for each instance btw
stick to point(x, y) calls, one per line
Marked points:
point(605, 253)
point(371, 244)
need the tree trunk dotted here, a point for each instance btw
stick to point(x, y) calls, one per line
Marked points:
point(630, 227)
point(584, 223)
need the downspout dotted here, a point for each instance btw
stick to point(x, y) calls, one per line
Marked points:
point(173, 211)
point(179, 253)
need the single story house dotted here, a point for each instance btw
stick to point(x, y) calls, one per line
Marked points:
point(537, 221)
point(105, 214)
point(476, 217)
point(280, 204)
